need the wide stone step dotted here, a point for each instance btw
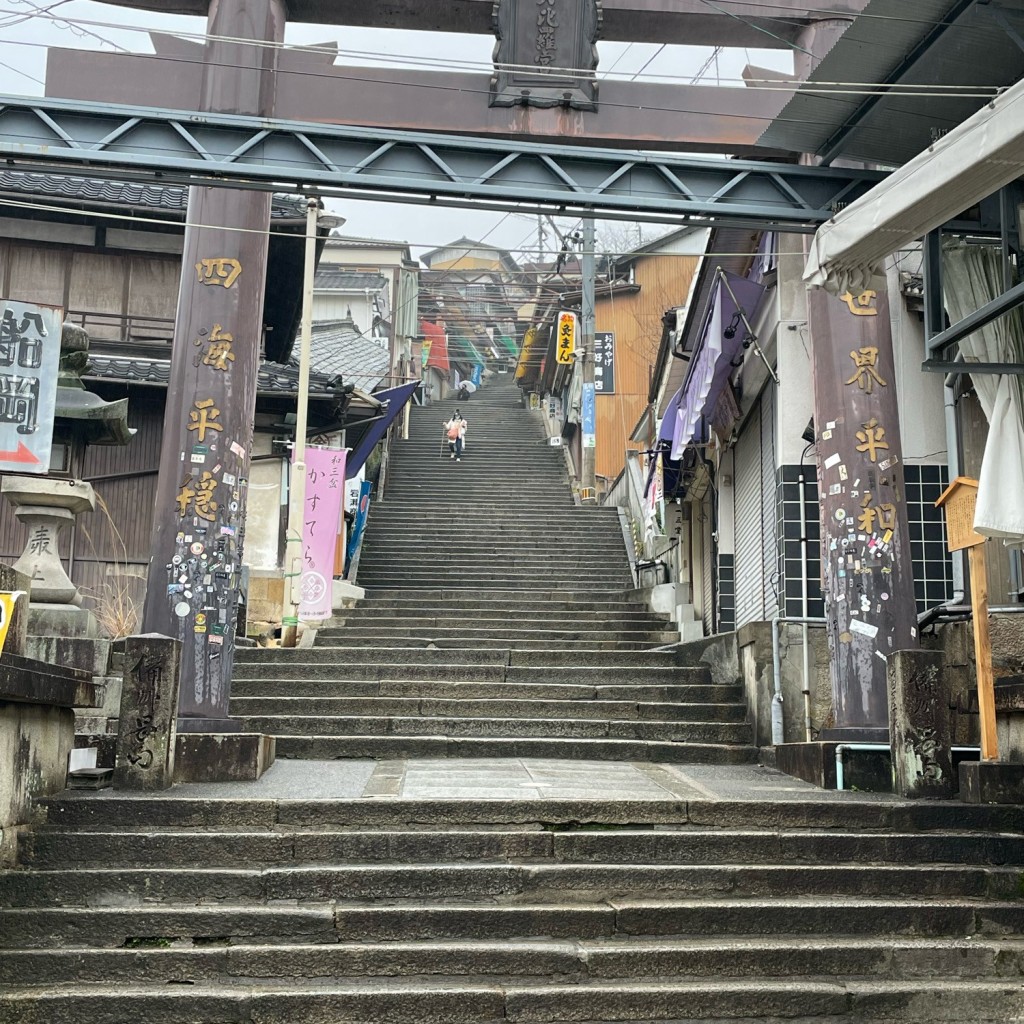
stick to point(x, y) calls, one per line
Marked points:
point(627, 625)
point(464, 582)
point(391, 747)
point(444, 572)
point(544, 597)
point(778, 957)
point(382, 725)
point(639, 661)
point(503, 510)
point(327, 689)
point(464, 608)
point(328, 911)
point(509, 707)
point(450, 564)
point(527, 1002)
point(453, 640)
point(690, 846)
point(73, 810)
point(315, 673)
point(400, 544)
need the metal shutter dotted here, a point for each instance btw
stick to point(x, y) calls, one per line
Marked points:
point(756, 526)
point(707, 602)
point(769, 505)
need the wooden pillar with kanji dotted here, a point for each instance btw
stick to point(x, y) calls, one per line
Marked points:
point(868, 579)
point(199, 518)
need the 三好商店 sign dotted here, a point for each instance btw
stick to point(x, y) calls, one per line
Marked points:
point(604, 362)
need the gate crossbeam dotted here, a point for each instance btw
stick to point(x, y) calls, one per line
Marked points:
point(186, 148)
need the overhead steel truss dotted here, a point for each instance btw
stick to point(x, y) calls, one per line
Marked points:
point(186, 148)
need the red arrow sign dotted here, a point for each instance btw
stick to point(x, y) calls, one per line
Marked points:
point(20, 454)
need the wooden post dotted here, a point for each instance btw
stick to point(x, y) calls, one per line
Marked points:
point(199, 517)
point(958, 501)
point(983, 653)
point(865, 548)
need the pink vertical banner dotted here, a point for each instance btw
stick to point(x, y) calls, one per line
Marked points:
point(325, 488)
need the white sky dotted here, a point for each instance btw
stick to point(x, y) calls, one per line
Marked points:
point(25, 56)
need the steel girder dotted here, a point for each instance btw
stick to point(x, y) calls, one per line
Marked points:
point(186, 148)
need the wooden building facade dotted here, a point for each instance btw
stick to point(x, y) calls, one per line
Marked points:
point(661, 273)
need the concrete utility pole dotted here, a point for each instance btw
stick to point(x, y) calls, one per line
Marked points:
point(588, 479)
point(297, 488)
point(199, 518)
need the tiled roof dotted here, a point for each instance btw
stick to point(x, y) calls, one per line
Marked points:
point(339, 347)
point(274, 378)
point(333, 276)
point(357, 242)
point(127, 194)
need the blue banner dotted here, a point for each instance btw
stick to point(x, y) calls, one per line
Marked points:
point(394, 399)
point(589, 417)
point(358, 523)
point(478, 374)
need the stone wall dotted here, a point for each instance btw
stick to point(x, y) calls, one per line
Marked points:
point(35, 742)
point(757, 671)
point(954, 639)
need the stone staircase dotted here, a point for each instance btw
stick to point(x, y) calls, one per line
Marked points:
point(181, 909)
point(500, 621)
point(533, 875)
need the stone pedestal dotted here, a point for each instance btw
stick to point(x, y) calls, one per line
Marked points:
point(11, 581)
point(920, 725)
point(991, 782)
point(45, 507)
point(149, 705)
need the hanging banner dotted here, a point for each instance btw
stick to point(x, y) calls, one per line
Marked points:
point(588, 417)
point(29, 356)
point(565, 349)
point(478, 374)
point(525, 358)
point(325, 487)
point(358, 523)
point(8, 602)
point(604, 362)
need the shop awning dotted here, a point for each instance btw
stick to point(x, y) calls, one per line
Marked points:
point(721, 342)
point(530, 358)
point(435, 346)
point(393, 400)
point(509, 345)
point(973, 161)
point(463, 349)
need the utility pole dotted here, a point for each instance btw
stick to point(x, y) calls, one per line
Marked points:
point(588, 478)
point(297, 489)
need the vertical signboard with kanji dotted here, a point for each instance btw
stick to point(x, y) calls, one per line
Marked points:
point(604, 362)
point(869, 581)
point(325, 487)
point(589, 417)
point(565, 339)
point(29, 360)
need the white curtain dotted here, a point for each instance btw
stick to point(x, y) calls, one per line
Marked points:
point(973, 276)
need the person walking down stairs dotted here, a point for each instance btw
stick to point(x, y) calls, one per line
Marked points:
point(456, 433)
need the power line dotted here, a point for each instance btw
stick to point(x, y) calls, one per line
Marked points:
point(750, 24)
point(412, 61)
point(18, 71)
